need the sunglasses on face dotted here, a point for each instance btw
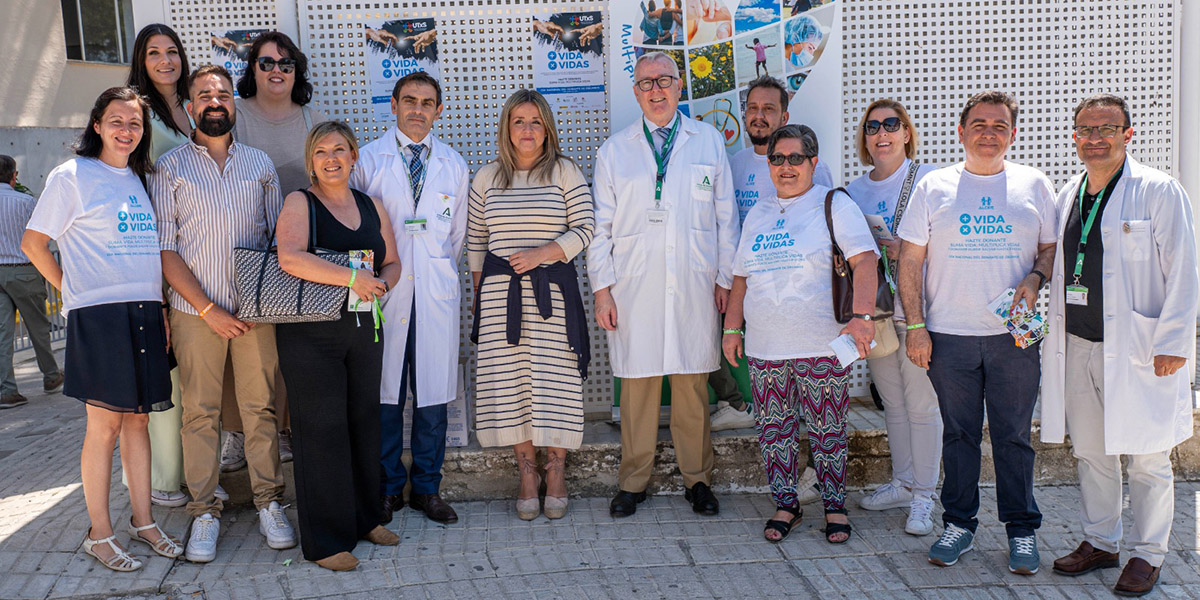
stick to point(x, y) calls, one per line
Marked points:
point(890, 124)
point(286, 65)
point(663, 82)
point(1105, 131)
point(793, 159)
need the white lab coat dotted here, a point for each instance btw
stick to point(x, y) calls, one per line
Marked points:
point(662, 276)
point(1150, 294)
point(429, 262)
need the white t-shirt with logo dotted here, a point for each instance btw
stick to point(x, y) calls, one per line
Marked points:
point(981, 234)
point(787, 260)
point(880, 197)
point(752, 179)
point(104, 224)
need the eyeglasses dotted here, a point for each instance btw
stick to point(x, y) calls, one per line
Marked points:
point(1105, 131)
point(663, 82)
point(286, 65)
point(890, 125)
point(793, 159)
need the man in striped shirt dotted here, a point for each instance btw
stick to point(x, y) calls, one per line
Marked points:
point(22, 289)
point(210, 196)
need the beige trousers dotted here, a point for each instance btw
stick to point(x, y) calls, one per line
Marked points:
point(640, 402)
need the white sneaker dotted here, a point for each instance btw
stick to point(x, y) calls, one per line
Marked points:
point(221, 494)
point(285, 446)
point(807, 490)
point(274, 525)
point(920, 516)
point(202, 543)
point(233, 451)
point(728, 417)
point(168, 498)
point(889, 495)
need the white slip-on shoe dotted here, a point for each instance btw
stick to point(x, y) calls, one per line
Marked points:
point(274, 526)
point(202, 543)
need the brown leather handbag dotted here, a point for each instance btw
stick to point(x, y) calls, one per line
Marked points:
point(886, 341)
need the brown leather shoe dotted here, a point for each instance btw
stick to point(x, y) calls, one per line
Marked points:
point(13, 400)
point(382, 536)
point(53, 384)
point(1085, 559)
point(1137, 579)
point(434, 507)
point(390, 503)
point(342, 561)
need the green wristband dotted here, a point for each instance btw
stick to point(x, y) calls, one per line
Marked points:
point(731, 331)
point(353, 275)
point(915, 326)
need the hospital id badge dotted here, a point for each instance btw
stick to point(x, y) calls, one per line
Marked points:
point(656, 217)
point(1077, 294)
point(414, 226)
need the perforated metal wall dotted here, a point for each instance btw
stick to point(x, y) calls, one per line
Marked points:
point(930, 54)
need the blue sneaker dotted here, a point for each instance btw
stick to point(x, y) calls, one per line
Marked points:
point(1023, 558)
point(955, 542)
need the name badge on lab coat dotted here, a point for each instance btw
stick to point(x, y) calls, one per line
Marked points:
point(656, 217)
point(414, 226)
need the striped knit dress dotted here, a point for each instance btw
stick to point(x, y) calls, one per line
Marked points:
point(531, 391)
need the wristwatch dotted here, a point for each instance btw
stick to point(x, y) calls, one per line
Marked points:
point(863, 316)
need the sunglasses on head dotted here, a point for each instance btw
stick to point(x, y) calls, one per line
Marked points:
point(890, 124)
point(793, 159)
point(286, 65)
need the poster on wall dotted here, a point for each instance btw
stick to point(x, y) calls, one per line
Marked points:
point(394, 48)
point(230, 49)
point(568, 60)
point(723, 45)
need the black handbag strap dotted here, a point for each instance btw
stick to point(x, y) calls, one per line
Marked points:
point(839, 258)
point(312, 221)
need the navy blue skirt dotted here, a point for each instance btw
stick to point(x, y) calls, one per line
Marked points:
point(116, 357)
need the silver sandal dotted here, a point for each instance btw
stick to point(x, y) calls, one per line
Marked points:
point(119, 561)
point(165, 546)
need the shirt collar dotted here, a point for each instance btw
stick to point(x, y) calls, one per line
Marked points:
point(652, 126)
point(407, 141)
point(233, 147)
point(5, 186)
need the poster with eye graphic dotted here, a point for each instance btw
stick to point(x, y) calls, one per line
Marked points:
point(392, 49)
point(230, 49)
point(721, 46)
point(568, 60)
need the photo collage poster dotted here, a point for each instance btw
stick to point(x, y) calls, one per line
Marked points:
point(723, 45)
point(394, 48)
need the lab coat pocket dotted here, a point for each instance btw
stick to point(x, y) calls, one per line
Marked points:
point(703, 180)
point(704, 251)
point(1141, 348)
point(629, 257)
point(443, 279)
point(1137, 239)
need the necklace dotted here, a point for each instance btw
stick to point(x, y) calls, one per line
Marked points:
point(781, 206)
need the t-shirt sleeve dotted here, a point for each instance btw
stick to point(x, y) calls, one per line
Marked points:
point(1048, 212)
point(850, 227)
point(58, 206)
point(914, 227)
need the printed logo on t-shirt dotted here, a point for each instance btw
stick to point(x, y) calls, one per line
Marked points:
point(881, 207)
point(985, 203)
point(750, 180)
point(780, 223)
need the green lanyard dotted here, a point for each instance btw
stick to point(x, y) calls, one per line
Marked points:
point(1087, 222)
point(376, 316)
point(424, 171)
point(661, 159)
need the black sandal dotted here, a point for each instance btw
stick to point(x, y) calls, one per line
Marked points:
point(832, 529)
point(783, 528)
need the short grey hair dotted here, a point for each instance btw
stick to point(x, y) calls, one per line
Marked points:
point(804, 133)
point(657, 55)
point(8, 168)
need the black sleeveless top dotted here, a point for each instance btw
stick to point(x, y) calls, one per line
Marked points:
point(332, 235)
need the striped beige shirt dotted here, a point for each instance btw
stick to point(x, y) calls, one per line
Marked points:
point(204, 213)
point(15, 210)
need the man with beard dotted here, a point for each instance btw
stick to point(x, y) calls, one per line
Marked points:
point(766, 111)
point(210, 196)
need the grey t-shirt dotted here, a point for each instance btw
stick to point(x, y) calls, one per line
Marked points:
point(282, 140)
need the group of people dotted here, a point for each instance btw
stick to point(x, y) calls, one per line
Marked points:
point(693, 259)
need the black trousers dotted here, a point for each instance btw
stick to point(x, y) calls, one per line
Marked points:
point(332, 371)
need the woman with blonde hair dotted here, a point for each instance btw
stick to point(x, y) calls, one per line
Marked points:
point(333, 368)
point(887, 141)
point(530, 214)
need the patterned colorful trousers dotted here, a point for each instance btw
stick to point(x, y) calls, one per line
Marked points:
point(781, 389)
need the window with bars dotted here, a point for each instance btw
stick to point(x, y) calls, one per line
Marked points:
point(99, 30)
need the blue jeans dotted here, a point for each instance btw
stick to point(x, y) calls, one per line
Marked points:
point(428, 439)
point(972, 374)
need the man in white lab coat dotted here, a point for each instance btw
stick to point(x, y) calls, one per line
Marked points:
point(1116, 363)
point(661, 268)
point(423, 185)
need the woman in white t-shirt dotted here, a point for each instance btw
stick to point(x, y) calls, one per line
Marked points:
point(782, 286)
point(95, 206)
point(887, 141)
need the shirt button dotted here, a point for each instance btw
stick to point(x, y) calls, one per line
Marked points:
point(139, 306)
point(670, 290)
point(410, 277)
point(1059, 317)
point(670, 248)
point(140, 328)
point(403, 320)
point(143, 350)
point(1060, 354)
